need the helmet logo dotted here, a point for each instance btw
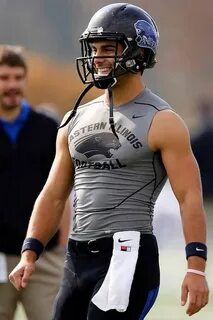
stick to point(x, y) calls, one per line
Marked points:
point(146, 35)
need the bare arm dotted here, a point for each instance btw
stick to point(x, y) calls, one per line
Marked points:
point(48, 209)
point(169, 135)
point(65, 225)
point(49, 206)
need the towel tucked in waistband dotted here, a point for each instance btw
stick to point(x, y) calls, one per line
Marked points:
point(115, 290)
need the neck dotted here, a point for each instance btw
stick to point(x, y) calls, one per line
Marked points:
point(127, 88)
point(9, 114)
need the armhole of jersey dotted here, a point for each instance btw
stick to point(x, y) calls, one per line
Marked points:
point(150, 124)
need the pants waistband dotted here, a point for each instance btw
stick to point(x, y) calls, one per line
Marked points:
point(91, 246)
point(102, 244)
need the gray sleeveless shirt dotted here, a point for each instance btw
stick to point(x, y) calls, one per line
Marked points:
point(116, 182)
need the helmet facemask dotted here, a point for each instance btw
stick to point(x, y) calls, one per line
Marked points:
point(124, 24)
point(131, 60)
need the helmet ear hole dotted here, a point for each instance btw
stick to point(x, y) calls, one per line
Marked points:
point(149, 58)
point(142, 52)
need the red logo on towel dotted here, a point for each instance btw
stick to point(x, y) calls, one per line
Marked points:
point(125, 248)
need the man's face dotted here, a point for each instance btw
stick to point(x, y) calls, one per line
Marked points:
point(12, 86)
point(102, 51)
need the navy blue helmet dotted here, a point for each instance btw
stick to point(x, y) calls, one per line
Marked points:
point(123, 23)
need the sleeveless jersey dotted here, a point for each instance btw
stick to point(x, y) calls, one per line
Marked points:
point(116, 182)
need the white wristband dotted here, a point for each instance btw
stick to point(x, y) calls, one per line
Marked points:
point(201, 273)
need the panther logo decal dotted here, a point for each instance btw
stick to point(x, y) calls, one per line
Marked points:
point(95, 144)
point(146, 36)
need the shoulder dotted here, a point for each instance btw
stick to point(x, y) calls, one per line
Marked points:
point(63, 130)
point(167, 128)
point(168, 118)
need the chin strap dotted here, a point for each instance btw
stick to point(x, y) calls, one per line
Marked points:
point(73, 112)
point(111, 118)
point(102, 83)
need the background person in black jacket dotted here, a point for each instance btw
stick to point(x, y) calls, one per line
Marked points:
point(27, 140)
point(202, 146)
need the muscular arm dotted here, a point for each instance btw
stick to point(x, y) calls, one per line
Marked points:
point(172, 139)
point(65, 225)
point(49, 206)
point(169, 135)
point(48, 209)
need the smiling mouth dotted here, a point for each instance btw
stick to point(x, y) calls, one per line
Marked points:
point(103, 71)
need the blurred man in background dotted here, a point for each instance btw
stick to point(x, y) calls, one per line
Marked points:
point(27, 141)
point(202, 145)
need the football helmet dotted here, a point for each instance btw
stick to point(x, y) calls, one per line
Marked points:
point(123, 23)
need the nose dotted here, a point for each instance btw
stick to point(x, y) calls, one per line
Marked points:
point(12, 84)
point(98, 57)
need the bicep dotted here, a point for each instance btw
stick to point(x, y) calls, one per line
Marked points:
point(60, 179)
point(173, 140)
point(182, 171)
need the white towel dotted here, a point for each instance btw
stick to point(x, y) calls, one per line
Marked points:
point(115, 289)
